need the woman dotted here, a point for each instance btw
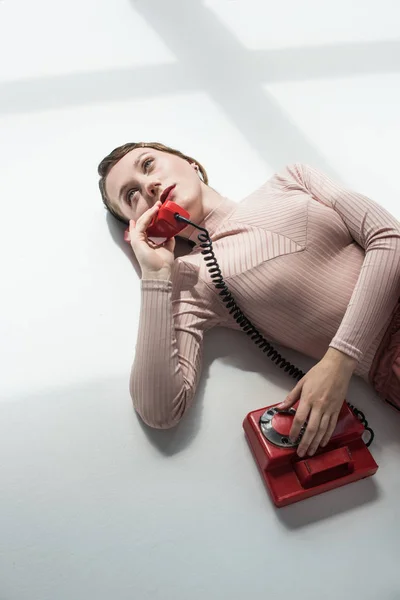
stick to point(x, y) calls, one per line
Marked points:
point(314, 266)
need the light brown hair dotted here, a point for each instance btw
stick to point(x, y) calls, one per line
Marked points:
point(111, 159)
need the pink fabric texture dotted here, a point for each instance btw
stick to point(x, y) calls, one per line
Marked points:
point(385, 369)
point(312, 264)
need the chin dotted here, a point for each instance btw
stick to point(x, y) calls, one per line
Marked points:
point(187, 202)
point(183, 202)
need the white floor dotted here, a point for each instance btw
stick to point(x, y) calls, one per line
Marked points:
point(92, 503)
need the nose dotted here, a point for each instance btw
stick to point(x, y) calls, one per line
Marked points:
point(152, 187)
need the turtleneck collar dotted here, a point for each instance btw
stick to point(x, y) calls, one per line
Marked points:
point(215, 218)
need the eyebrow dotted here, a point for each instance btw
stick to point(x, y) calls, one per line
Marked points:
point(126, 185)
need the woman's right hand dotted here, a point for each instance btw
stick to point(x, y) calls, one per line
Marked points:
point(155, 261)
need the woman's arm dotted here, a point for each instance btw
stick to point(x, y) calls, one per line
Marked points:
point(378, 232)
point(173, 318)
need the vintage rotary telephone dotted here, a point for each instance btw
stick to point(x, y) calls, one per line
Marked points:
point(288, 477)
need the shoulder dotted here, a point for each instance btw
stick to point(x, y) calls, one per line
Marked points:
point(293, 174)
point(287, 183)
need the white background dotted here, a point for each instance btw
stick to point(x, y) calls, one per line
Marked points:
point(92, 503)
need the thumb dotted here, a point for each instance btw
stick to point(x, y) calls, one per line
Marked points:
point(170, 244)
point(128, 231)
point(293, 397)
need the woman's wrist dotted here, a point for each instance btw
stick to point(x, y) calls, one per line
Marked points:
point(341, 360)
point(162, 274)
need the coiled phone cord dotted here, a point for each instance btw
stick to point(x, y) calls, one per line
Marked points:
point(246, 324)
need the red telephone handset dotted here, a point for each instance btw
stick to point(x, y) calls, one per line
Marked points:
point(164, 225)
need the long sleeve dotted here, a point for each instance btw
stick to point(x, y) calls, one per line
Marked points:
point(173, 318)
point(378, 233)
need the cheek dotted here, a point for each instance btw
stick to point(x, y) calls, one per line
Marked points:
point(139, 208)
point(193, 186)
point(130, 212)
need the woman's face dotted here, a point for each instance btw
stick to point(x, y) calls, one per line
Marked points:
point(139, 179)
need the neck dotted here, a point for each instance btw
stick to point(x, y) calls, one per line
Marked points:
point(210, 200)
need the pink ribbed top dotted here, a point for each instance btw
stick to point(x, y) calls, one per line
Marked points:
point(310, 263)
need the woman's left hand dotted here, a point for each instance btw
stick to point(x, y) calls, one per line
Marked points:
point(321, 392)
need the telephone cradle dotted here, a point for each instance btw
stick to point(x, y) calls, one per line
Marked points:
point(290, 478)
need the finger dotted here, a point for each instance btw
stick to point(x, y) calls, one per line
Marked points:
point(310, 432)
point(330, 430)
point(323, 427)
point(154, 245)
point(127, 235)
point(170, 244)
point(299, 420)
point(293, 397)
point(144, 221)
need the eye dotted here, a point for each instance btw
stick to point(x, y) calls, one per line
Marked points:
point(147, 163)
point(130, 195)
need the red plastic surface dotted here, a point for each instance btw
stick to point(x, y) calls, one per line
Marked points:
point(164, 224)
point(290, 478)
point(324, 467)
point(282, 423)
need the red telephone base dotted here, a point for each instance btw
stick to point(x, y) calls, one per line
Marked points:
point(290, 478)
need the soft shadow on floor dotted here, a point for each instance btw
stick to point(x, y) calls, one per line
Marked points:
point(325, 506)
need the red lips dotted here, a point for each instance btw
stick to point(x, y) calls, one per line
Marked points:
point(166, 193)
